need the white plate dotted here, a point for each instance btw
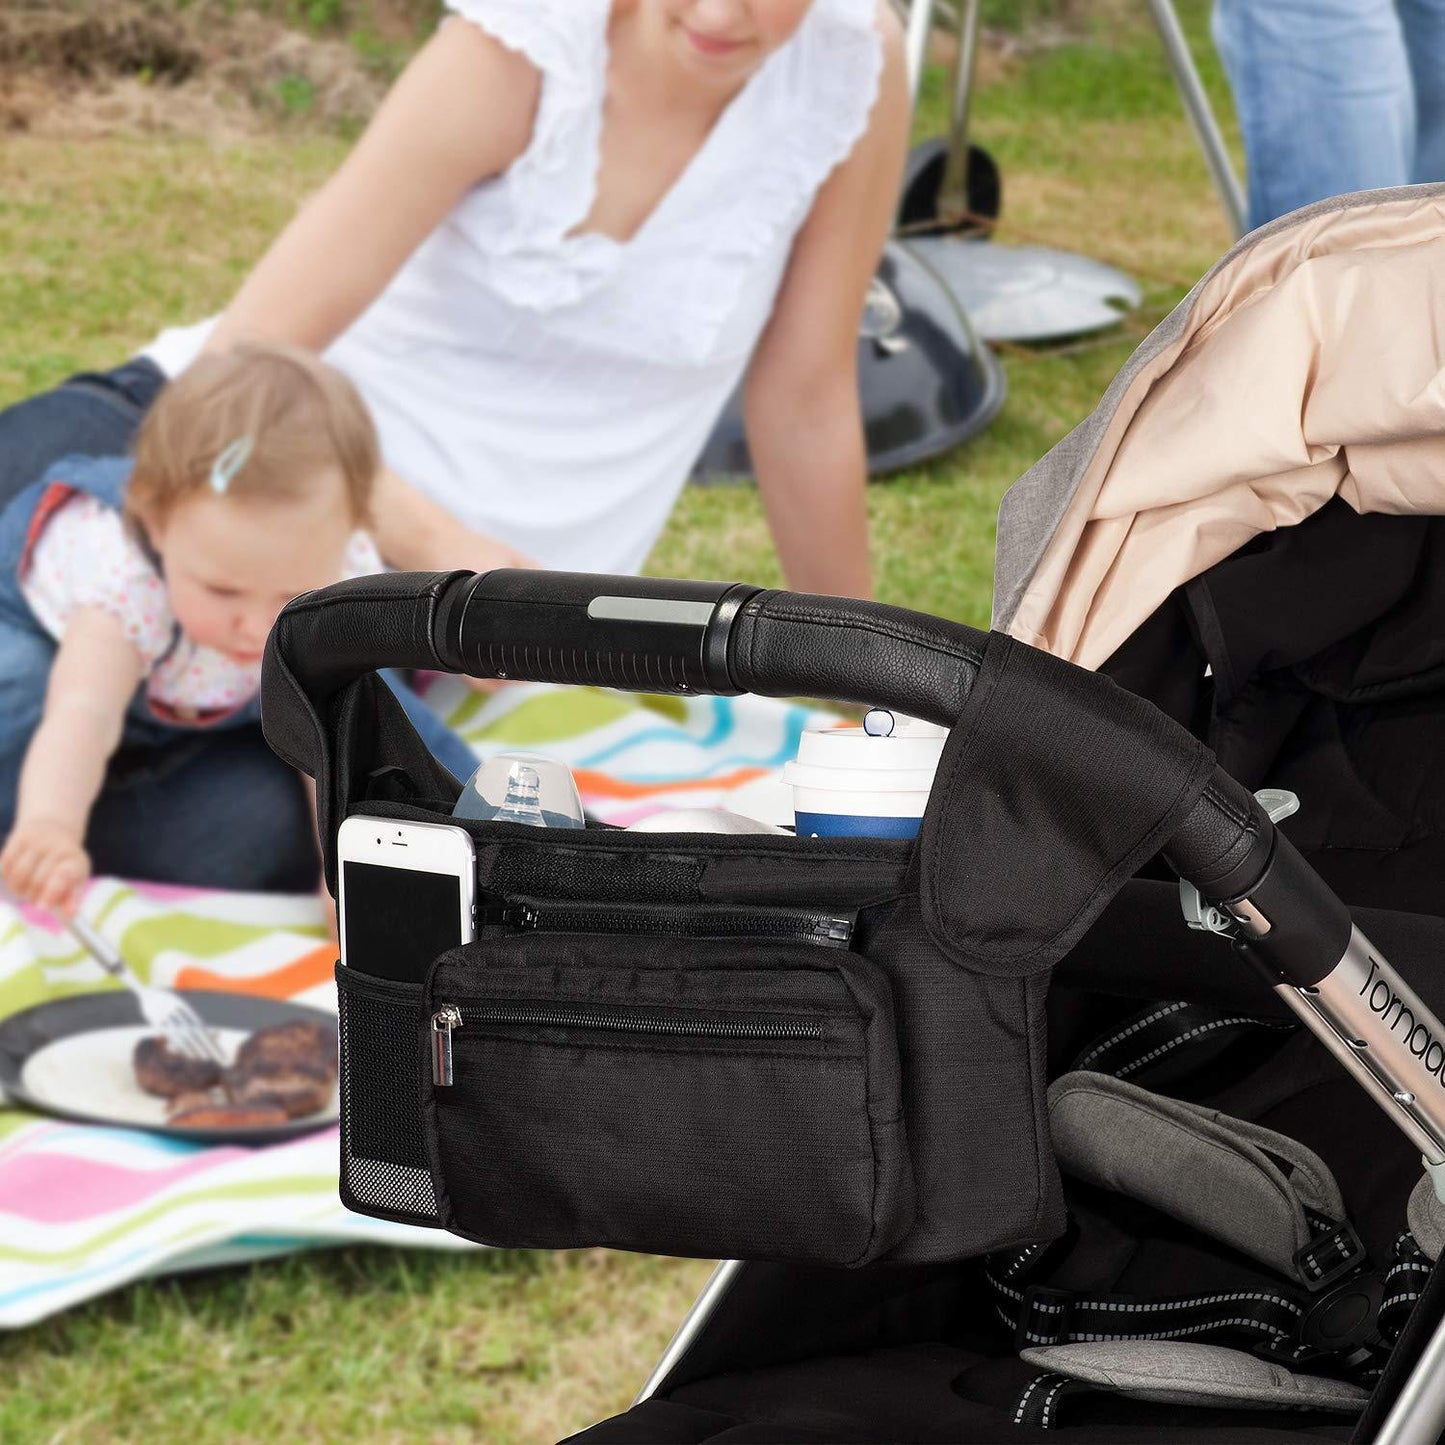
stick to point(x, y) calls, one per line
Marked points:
point(91, 1074)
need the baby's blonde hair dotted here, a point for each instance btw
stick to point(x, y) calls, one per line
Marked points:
point(300, 414)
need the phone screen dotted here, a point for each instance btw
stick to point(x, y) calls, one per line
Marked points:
point(398, 919)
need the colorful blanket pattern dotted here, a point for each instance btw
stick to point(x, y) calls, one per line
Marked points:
point(84, 1210)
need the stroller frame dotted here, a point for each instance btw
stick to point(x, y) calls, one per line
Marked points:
point(728, 638)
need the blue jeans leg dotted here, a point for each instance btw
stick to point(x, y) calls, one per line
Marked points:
point(450, 750)
point(95, 413)
point(26, 656)
point(232, 816)
point(1423, 22)
point(216, 810)
point(1324, 96)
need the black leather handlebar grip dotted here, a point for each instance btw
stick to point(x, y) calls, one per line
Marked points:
point(638, 633)
point(644, 634)
point(1295, 928)
point(792, 644)
point(652, 635)
point(1224, 845)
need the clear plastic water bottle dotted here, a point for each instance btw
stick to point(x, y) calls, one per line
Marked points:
point(522, 788)
point(523, 803)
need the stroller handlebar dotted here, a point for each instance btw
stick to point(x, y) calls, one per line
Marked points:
point(642, 634)
point(649, 634)
point(652, 635)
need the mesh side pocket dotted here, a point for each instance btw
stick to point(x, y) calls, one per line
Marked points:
point(384, 1168)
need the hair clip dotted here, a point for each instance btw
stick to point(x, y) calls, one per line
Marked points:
point(229, 463)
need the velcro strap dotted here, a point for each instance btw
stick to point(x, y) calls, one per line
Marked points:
point(1260, 1192)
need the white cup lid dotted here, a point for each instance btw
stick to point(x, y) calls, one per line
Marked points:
point(913, 746)
point(858, 780)
point(848, 759)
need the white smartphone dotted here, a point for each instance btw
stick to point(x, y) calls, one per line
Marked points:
point(407, 894)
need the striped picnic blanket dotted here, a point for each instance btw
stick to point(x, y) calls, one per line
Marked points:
point(84, 1209)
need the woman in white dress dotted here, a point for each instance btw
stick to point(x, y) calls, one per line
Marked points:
point(550, 258)
point(570, 230)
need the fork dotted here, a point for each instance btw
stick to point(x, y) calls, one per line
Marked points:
point(164, 1009)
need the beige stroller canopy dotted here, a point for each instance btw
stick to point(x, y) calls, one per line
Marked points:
point(1306, 364)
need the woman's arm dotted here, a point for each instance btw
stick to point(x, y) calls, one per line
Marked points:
point(95, 674)
point(460, 112)
point(416, 534)
point(801, 407)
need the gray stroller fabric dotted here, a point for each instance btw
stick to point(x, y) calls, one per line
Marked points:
point(1426, 1216)
point(1173, 1372)
point(1234, 1181)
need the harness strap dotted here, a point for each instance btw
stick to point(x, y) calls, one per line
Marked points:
point(1038, 1405)
point(1258, 1191)
point(1037, 1314)
point(1140, 1043)
point(1405, 1282)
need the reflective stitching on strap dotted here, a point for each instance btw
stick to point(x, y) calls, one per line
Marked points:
point(1089, 1338)
point(1027, 1395)
point(1046, 1409)
point(1406, 1266)
point(1133, 1028)
point(1121, 1307)
point(1186, 1303)
point(1407, 1297)
point(1124, 1070)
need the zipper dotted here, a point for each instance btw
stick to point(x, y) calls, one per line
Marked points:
point(832, 930)
point(443, 1021)
point(450, 1017)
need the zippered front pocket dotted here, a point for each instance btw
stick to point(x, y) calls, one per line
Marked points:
point(733, 1030)
point(720, 1097)
point(717, 920)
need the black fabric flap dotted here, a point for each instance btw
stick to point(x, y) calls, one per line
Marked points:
point(369, 749)
point(1054, 786)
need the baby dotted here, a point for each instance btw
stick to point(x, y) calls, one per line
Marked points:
point(136, 598)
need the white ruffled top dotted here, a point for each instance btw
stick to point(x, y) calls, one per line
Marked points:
point(552, 389)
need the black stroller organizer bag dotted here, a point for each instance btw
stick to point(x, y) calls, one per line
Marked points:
point(820, 1051)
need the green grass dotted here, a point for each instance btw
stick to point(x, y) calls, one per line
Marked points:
point(356, 1344)
point(103, 243)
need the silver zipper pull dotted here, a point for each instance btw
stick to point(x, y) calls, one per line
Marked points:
point(443, 1021)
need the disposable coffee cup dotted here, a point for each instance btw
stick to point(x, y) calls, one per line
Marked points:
point(847, 782)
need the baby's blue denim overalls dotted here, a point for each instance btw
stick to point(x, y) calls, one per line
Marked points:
point(27, 651)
